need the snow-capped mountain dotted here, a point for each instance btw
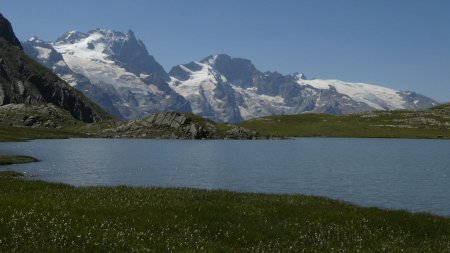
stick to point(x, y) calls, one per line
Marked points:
point(377, 97)
point(228, 89)
point(26, 84)
point(113, 69)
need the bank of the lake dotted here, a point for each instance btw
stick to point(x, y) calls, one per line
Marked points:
point(433, 123)
point(47, 217)
point(16, 159)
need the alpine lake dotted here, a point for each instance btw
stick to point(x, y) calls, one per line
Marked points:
point(407, 174)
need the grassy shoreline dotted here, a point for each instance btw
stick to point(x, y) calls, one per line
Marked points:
point(433, 123)
point(264, 130)
point(8, 133)
point(48, 217)
point(395, 124)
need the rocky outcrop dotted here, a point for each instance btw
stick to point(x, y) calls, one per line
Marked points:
point(170, 125)
point(240, 133)
point(173, 125)
point(24, 81)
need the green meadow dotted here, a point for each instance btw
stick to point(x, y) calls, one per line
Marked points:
point(38, 216)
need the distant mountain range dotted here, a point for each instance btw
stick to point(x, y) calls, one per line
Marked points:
point(116, 71)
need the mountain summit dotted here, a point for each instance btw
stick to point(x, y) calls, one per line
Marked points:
point(24, 81)
point(112, 68)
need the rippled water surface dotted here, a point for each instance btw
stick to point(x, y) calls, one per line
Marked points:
point(389, 173)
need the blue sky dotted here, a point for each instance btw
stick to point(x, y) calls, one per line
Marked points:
point(403, 44)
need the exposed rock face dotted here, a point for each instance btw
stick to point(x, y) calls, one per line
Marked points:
point(166, 125)
point(24, 81)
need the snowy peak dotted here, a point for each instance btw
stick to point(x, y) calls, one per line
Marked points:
point(217, 58)
point(110, 40)
point(70, 37)
point(197, 73)
point(377, 97)
point(238, 71)
point(207, 90)
point(125, 49)
point(35, 39)
point(227, 89)
point(106, 36)
point(107, 39)
point(300, 76)
point(112, 68)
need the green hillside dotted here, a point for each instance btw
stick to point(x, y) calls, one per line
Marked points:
point(431, 123)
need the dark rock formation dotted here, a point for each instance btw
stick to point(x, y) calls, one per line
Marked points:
point(173, 125)
point(7, 32)
point(170, 125)
point(240, 133)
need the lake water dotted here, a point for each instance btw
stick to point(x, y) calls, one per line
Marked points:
point(388, 173)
